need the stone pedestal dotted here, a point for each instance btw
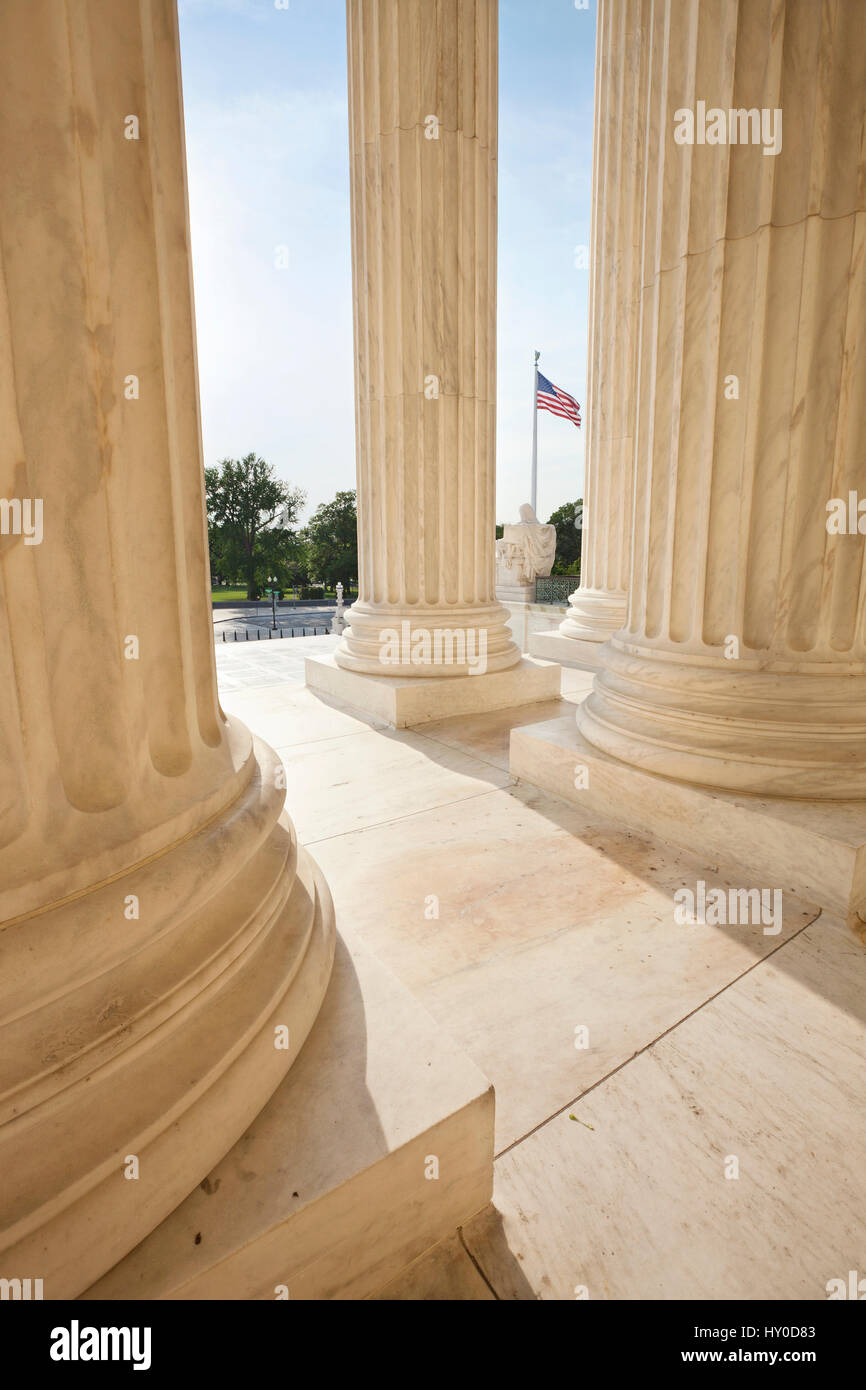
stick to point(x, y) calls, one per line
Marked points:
point(161, 930)
point(423, 118)
point(581, 652)
point(405, 700)
point(812, 850)
point(516, 593)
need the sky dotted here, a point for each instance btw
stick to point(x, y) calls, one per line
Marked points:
point(267, 154)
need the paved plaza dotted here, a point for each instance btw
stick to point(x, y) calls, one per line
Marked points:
point(709, 1050)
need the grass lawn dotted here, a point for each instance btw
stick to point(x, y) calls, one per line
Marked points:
point(228, 595)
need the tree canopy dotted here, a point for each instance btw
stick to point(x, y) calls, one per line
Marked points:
point(250, 515)
point(331, 537)
point(568, 520)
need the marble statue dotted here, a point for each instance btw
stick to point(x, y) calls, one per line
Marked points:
point(525, 551)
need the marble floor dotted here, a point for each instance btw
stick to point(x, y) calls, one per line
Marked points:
point(250, 665)
point(679, 1108)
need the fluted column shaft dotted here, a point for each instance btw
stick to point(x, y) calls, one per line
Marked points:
point(743, 663)
point(157, 919)
point(112, 740)
point(423, 119)
point(598, 607)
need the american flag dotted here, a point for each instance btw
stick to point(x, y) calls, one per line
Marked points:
point(557, 402)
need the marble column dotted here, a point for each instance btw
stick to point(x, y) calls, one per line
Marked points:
point(423, 124)
point(158, 923)
point(742, 664)
point(598, 607)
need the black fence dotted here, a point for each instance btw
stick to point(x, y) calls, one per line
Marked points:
point(243, 634)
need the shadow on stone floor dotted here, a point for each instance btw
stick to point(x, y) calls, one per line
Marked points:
point(457, 1271)
point(821, 952)
point(486, 1240)
point(834, 968)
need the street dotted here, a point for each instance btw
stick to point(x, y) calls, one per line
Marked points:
point(254, 624)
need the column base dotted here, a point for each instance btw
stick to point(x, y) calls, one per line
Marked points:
point(595, 614)
point(748, 726)
point(815, 850)
point(420, 642)
point(568, 651)
point(139, 1052)
point(331, 1192)
point(418, 700)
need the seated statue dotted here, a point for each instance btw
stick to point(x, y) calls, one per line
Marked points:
point(526, 550)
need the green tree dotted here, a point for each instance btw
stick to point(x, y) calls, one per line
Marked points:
point(568, 521)
point(296, 567)
point(280, 555)
point(250, 514)
point(332, 541)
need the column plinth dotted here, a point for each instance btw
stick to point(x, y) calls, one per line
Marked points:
point(742, 663)
point(158, 922)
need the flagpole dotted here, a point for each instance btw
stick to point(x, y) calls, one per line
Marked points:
point(534, 491)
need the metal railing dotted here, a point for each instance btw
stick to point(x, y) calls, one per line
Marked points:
point(556, 588)
point(232, 634)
